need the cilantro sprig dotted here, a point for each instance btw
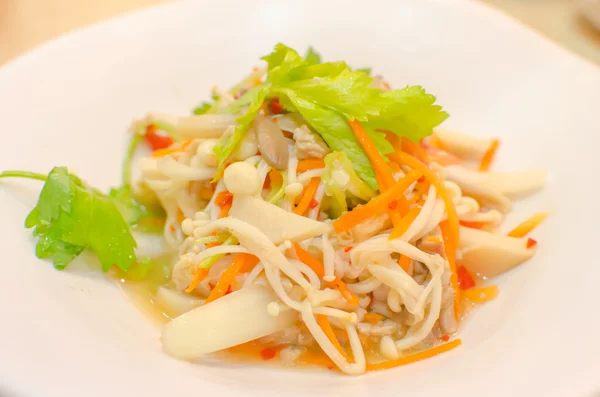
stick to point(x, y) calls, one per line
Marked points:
point(70, 217)
point(328, 95)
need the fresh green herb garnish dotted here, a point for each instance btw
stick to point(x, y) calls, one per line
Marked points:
point(312, 57)
point(330, 94)
point(203, 108)
point(229, 143)
point(70, 217)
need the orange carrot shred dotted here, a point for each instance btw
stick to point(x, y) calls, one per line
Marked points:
point(307, 196)
point(383, 173)
point(309, 164)
point(377, 205)
point(531, 243)
point(200, 275)
point(413, 149)
point(171, 150)
point(404, 158)
point(240, 262)
point(404, 223)
point(488, 157)
point(405, 262)
point(326, 327)
point(528, 225)
point(445, 338)
point(373, 318)
point(472, 224)
point(450, 249)
point(312, 262)
point(415, 357)
point(224, 200)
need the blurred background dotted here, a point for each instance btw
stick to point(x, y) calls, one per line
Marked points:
point(25, 24)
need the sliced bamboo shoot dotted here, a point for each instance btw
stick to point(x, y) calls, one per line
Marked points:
point(462, 145)
point(511, 184)
point(234, 319)
point(491, 254)
point(176, 303)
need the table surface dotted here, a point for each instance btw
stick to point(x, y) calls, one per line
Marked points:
point(25, 24)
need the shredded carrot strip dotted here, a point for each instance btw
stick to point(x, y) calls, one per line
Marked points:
point(312, 262)
point(224, 200)
point(528, 225)
point(309, 164)
point(402, 226)
point(472, 224)
point(415, 357)
point(376, 206)
point(404, 262)
point(420, 190)
point(350, 297)
point(326, 327)
point(450, 249)
point(413, 149)
point(483, 294)
point(404, 158)
point(383, 174)
point(224, 211)
point(307, 196)
point(200, 274)
point(395, 167)
point(488, 157)
point(373, 318)
point(394, 140)
point(241, 261)
point(171, 150)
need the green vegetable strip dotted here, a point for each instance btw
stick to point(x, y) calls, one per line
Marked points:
point(133, 144)
point(221, 238)
point(211, 260)
point(276, 195)
point(23, 174)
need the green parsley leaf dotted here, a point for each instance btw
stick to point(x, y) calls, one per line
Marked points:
point(70, 217)
point(139, 217)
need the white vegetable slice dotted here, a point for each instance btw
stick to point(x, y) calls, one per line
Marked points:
point(176, 303)
point(234, 319)
point(511, 184)
point(472, 186)
point(277, 223)
point(491, 254)
point(462, 145)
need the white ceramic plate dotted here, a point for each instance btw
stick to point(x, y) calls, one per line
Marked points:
point(70, 102)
